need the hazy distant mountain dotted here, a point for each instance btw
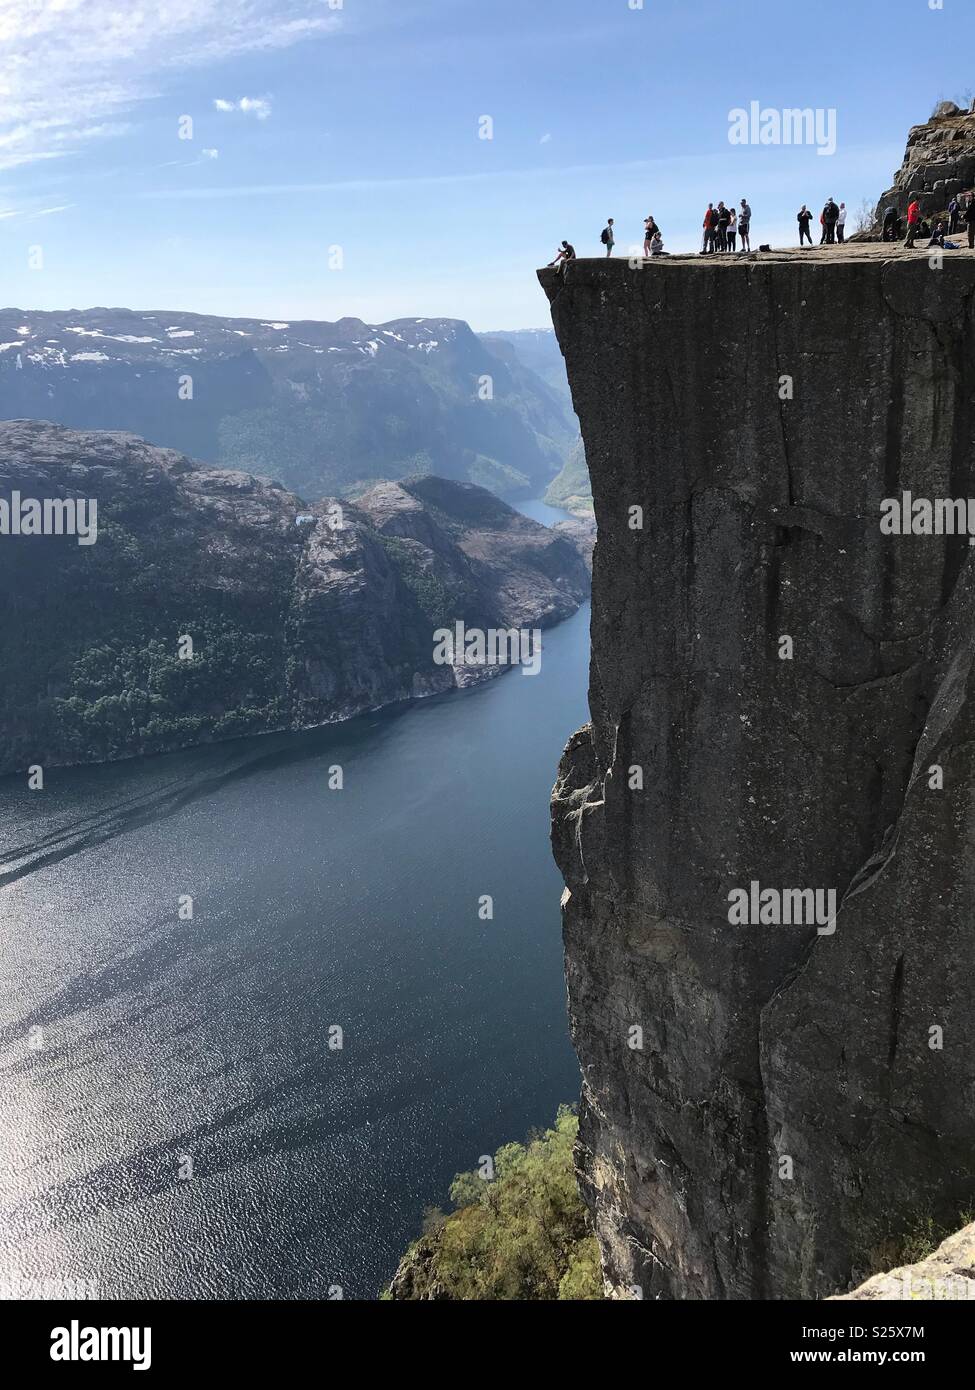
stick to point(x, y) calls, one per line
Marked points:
point(538, 349)
point(323, 407)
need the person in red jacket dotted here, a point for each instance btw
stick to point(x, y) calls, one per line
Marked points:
point(710, 229)
point(913, 222)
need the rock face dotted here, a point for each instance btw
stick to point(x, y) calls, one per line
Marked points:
point(948, 1274)
point(939, 163)
point(299, 615)
point(774, 687)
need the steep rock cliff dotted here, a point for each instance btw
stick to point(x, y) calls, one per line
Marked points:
point(790, 1112)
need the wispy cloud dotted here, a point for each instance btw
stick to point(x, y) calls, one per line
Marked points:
point(72, 67)
point(251, 106)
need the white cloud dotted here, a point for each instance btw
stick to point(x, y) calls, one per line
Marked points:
point(251, 106)
point(72, 67)
point(545, 139)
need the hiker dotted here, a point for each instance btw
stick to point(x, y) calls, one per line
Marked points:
point(804, 217)
point(710, 230)
point(744, 224)
point(608, 238)
point(822, 229)
point(913, 222)
point(938, 235)
point(649, 227)
point(563, 256)
point(954, 212)
point(841, 223)
point(732, 228)
point(657, 244)
point(890, 232)
point(968, 217)
point(723, 218)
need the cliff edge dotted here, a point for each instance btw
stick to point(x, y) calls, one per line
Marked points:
point(780, 700)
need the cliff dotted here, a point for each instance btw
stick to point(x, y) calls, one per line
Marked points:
point(774, 687)
point(299, 615)
point(938, 164)
point(946, 1275)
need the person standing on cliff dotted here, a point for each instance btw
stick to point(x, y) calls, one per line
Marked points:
point(889, 232)
point(953, 215)
point(649, 228)
point(710, 226)
point(831, 214)
point(968, 217)
point(608, 237)
point(841, 223)
point(744, 224)
point(723, 219)
point(913, 222)
point(804, 218)
point(732, 228)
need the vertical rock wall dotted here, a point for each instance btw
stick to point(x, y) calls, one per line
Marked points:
point(790, 1113)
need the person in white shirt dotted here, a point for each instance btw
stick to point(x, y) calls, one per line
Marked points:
point(841, 222)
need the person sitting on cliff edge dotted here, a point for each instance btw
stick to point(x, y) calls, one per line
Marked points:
point(565, 253)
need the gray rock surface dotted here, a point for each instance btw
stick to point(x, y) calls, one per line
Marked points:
point(762, 1044)
point(947, 1275)
point(939, 163)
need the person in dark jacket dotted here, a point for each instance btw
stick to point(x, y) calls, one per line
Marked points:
point(831, 215)
point(890, 231)
point(724, 217)
point(968, 217)
point(804, 218)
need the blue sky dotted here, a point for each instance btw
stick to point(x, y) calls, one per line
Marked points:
point(359, 129)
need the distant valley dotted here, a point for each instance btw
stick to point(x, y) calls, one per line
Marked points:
point(323, 408)
point(298, 614)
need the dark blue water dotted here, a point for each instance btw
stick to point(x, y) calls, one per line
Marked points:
point(134, 1043)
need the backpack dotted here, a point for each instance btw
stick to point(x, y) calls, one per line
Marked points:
point(604, 236)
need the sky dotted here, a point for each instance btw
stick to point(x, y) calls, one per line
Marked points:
point(337, 164)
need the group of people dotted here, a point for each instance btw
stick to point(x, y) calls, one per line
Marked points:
point(724, 227)
point(832, 221)
point(961, 214)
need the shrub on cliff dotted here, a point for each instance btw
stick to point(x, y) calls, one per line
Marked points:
point(523, 1235)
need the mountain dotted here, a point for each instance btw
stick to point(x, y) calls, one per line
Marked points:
point(324, 407)
point(298, 615)
point(938, 164)
point(571, 489)
point(538, 349)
